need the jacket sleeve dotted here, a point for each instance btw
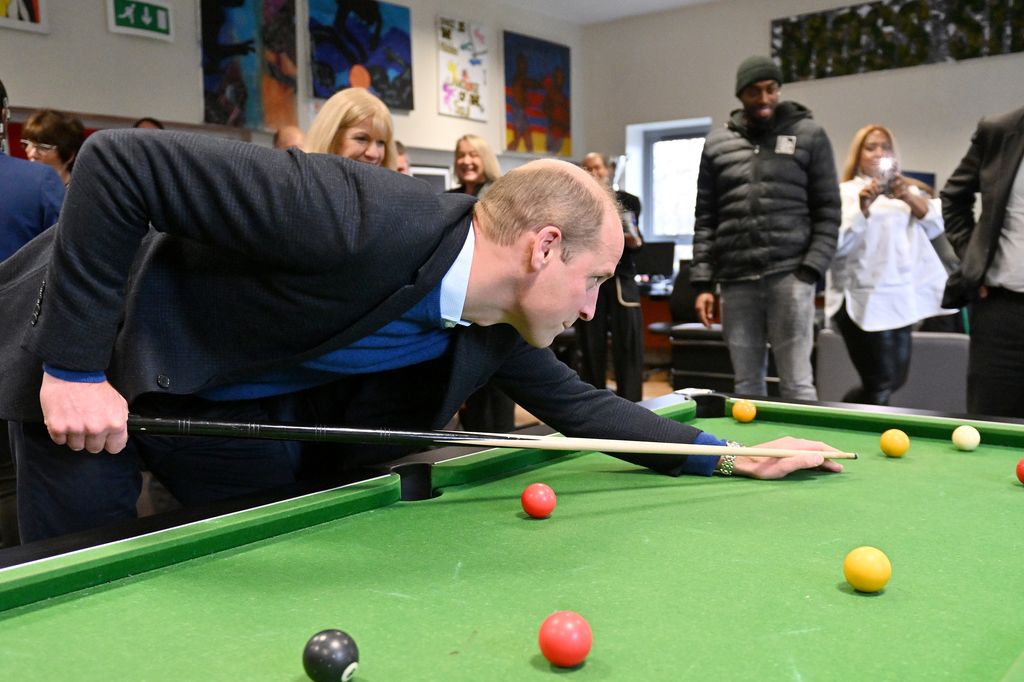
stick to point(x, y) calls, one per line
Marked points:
point(931, 222)
point(702, 268)
point(958, 195)
point(824, 204)
point(239, 197)
point(555, 394)
point(853, 224)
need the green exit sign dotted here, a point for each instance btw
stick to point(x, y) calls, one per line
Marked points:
point(147, 19)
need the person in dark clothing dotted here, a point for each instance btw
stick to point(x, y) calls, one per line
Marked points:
point(991, 249)
point(618, 305)
point(767, 217)
point(216, 279)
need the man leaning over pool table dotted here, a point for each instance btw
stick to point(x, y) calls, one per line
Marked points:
point(191, 276)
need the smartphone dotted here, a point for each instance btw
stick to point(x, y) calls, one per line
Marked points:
point(887, 170)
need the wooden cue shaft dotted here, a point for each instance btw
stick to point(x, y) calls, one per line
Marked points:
point(339, 434)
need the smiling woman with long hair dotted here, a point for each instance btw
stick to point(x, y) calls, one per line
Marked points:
point(476, 166)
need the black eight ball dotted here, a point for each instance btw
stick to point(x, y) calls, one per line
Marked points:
point(330, 656)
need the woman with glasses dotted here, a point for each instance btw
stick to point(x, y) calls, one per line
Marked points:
point(53, 138)
point(354, 124)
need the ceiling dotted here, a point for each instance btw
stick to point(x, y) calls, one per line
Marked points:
point(596, 11)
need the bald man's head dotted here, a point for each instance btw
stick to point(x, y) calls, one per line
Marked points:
point(549, 192)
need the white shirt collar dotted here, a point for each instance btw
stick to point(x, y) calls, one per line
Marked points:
point(455, 284)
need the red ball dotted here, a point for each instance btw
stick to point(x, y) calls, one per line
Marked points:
point(538, 500)
point(565, 638)
point(1020, 471)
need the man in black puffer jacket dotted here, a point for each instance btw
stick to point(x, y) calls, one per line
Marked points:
point(767, 217)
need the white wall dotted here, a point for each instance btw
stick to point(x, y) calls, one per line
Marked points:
point(80, 66)
point(682, 64)
point(672, 65)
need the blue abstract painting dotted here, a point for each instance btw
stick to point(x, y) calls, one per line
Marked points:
point(361, 43)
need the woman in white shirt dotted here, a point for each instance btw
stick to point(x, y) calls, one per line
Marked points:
point(886, 275)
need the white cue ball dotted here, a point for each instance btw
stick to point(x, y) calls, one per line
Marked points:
point(966, 437)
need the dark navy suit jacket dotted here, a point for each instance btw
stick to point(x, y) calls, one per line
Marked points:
point(184, 262)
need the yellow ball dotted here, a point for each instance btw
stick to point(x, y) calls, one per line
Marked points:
point(894, 443)
point(744, 411)
point(867, 569)
point(966, 437)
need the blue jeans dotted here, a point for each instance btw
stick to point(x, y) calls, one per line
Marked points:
point(776, 310)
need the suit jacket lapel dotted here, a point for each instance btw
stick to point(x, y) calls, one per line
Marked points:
point(1013, 144)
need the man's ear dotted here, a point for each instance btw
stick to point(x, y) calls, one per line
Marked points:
point(546, 246)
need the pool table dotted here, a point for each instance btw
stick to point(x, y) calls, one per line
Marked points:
point(680, 578)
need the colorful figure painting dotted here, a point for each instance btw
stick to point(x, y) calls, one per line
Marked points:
point(361, 43)
point(24, 15)
point(249, 63)
point(462, 69)
point(537, 96)
point(280, 65)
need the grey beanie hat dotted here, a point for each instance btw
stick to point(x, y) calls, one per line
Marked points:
point(754, 69)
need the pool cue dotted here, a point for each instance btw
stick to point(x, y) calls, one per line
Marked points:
point(339, 434)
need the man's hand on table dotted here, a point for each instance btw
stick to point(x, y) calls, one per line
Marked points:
point(84, 416)
point(779, 467)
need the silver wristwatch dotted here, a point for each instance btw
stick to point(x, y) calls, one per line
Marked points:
point(727, 462)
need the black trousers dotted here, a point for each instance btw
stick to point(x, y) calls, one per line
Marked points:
point(995, 367)
point(61, 491)
point(618, 311)
point(489, 409)
point(882, 359)
point(8, 498)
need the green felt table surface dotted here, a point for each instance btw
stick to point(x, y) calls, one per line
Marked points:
point(680, 578)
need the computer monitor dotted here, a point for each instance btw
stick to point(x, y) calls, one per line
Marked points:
point(656, 258)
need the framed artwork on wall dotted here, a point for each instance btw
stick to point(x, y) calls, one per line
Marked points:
point(894, 34)
point(537, 96)
point(249, 67)
point(24, 15)
point(462, 69)
point(361, 43)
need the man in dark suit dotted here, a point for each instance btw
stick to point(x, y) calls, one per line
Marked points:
point(991, 252)
point(215, 279)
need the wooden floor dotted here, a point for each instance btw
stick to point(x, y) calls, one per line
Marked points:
point(657, 385)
